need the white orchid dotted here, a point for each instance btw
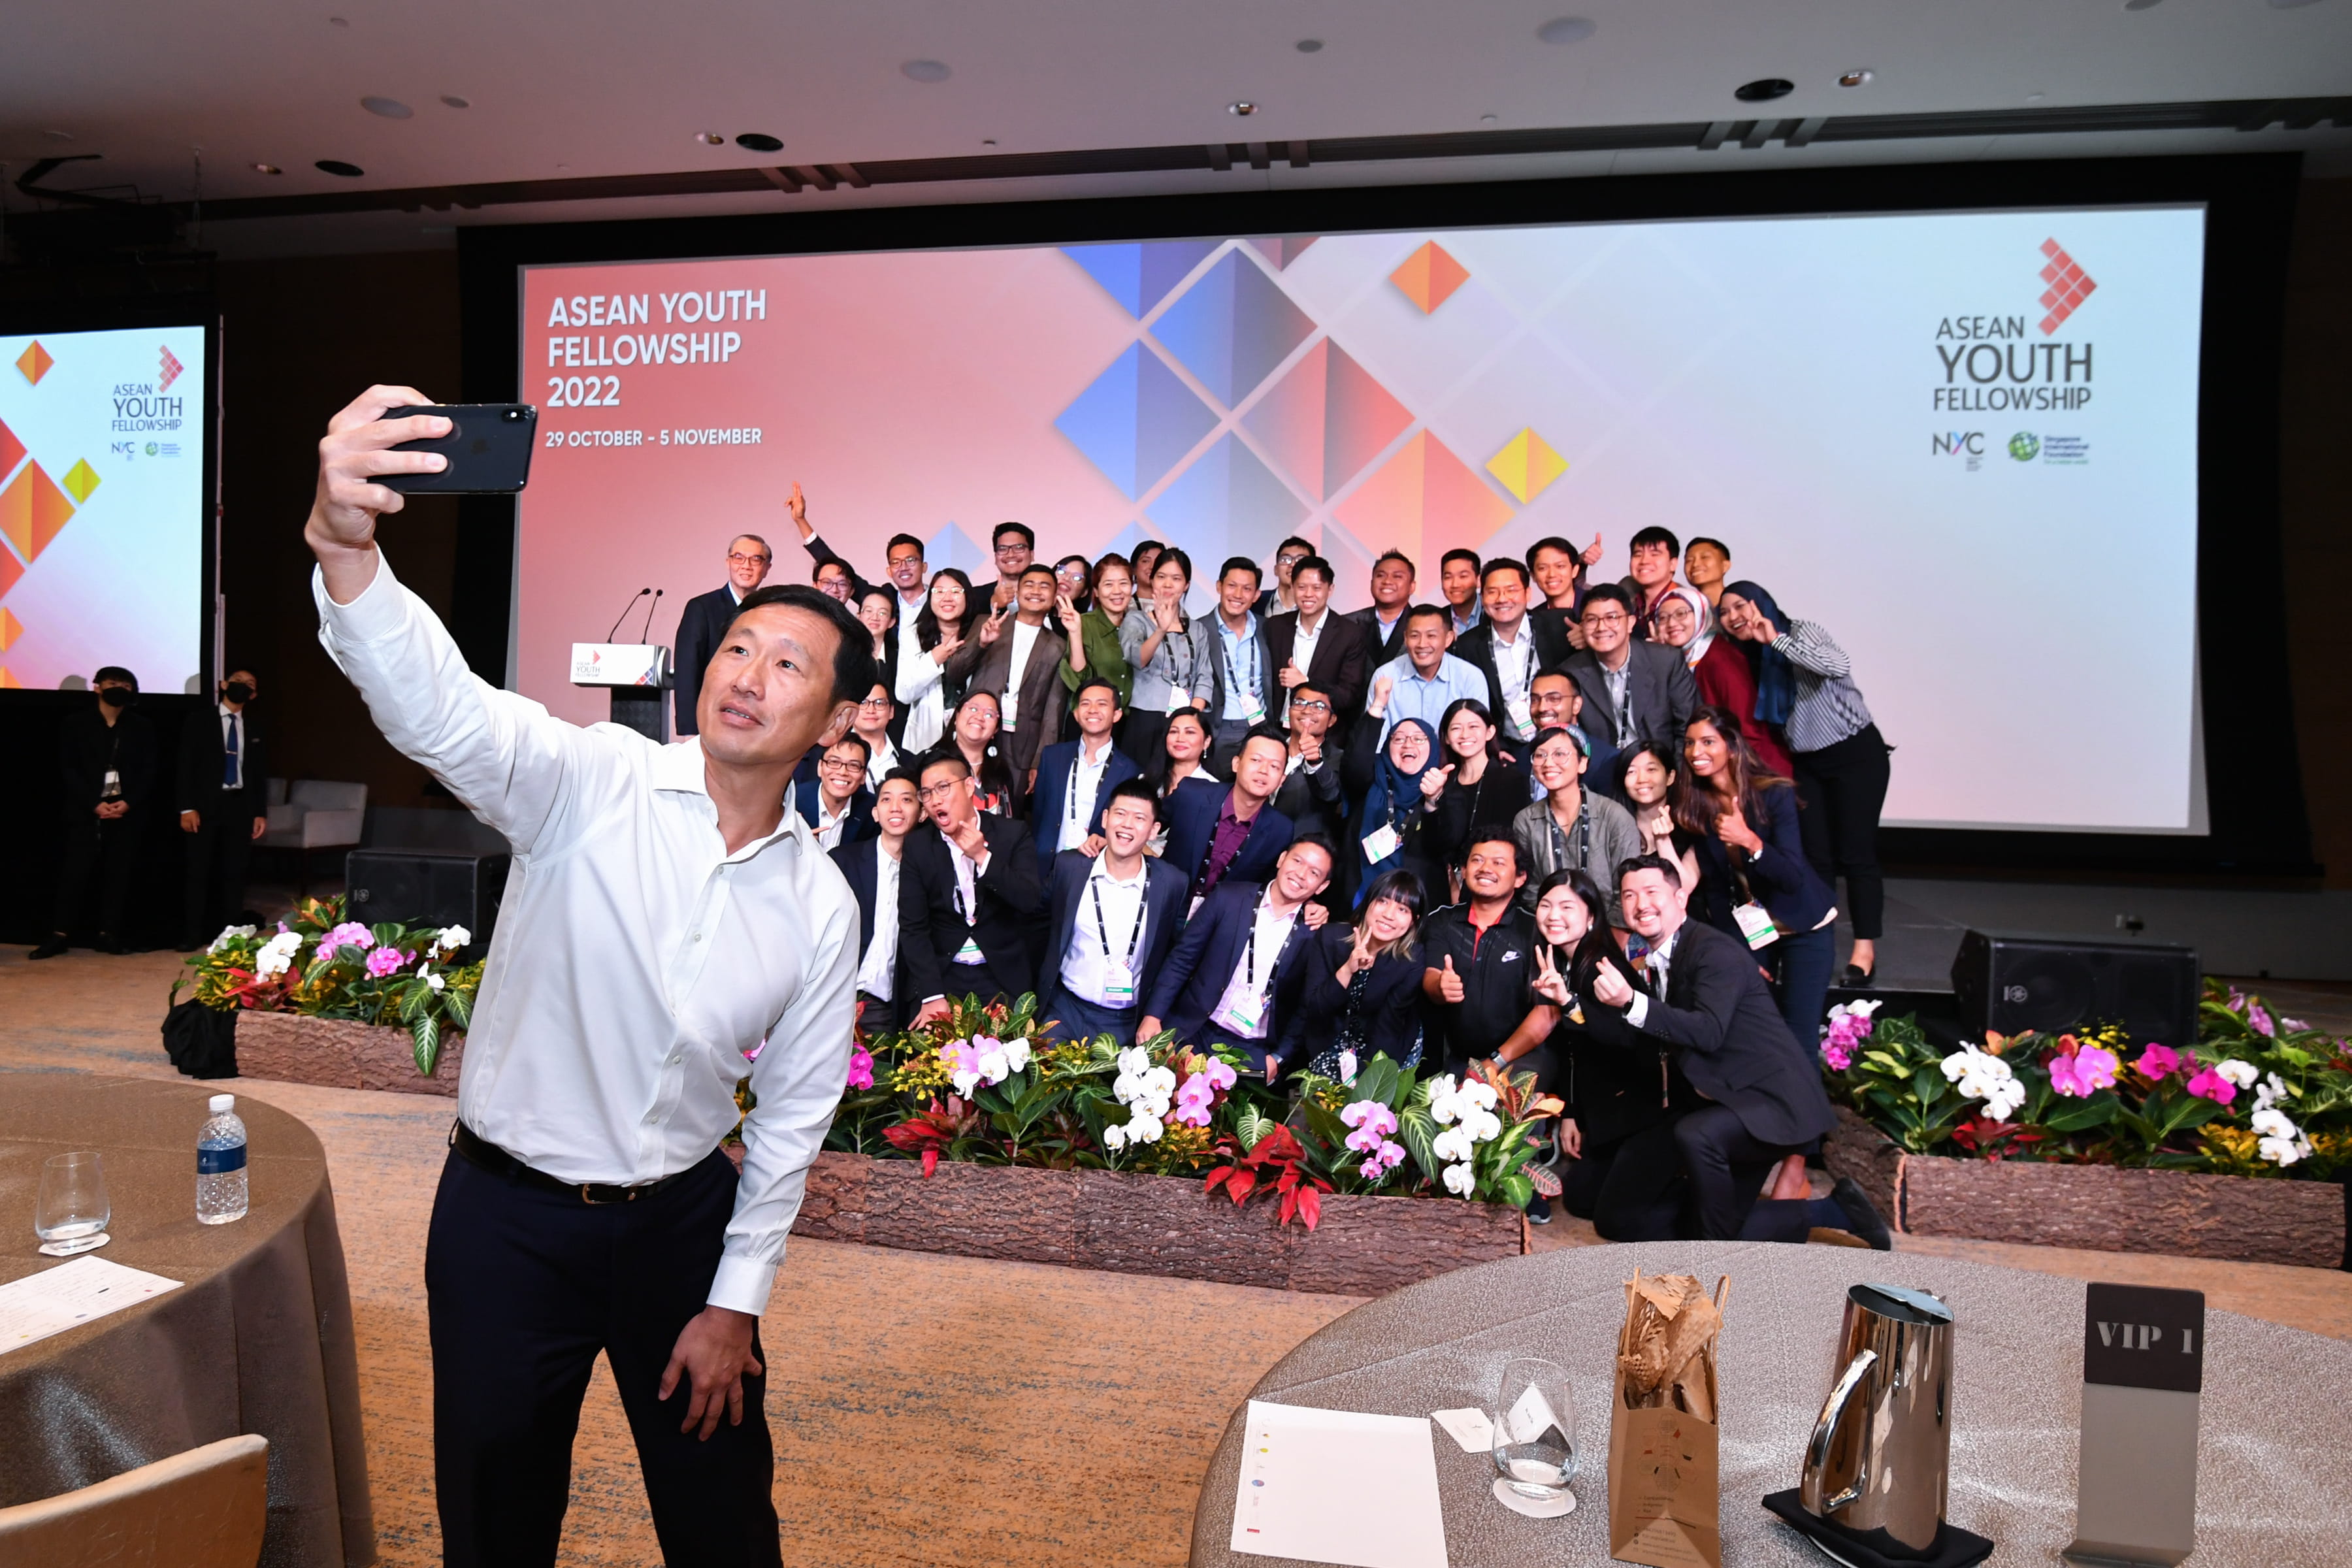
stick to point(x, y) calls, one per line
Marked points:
point(452, 938)
point(995, 1066)
point(1980, 1075)
point(1476, 1092)
point(1483, 1126)
point(1461, 1181)
point(1016, 1055)
point(1454, 1144)
point(1146, 1127)
point(2281, 1143)
point(1134, 1062)
point(277, 956)
point(1115, 1137)
point(1443, 1102)
point(2242, 1074)
point(965, 1079)
point(435, 981)
point(230, 934)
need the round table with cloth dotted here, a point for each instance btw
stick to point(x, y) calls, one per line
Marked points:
point(258, 1338)
point(2274, 1470)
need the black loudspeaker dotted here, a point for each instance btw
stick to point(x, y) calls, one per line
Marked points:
point(428, 887)
point(2010, 984)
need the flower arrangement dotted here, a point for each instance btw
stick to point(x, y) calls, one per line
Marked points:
point(995, 1084)
point(322, 966)
point(2255, 1096)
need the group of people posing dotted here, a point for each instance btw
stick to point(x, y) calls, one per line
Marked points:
point(1586, 829)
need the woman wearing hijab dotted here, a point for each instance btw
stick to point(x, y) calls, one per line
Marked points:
point(1719, 665)
point(1387, 776)
point(927, 690)
point(1804, 683)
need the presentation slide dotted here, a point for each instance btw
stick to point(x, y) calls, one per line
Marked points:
point(103, 506)
point(1963, 443)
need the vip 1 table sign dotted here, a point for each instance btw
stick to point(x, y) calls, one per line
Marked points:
point(2143, 1376)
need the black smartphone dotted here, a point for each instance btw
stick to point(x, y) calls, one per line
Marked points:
point(488, 447)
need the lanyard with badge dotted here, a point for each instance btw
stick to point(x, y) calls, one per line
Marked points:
point(1246, 686)
point(1118, 973)
point(1245, 1014)
point(1180, 692)
point(969, 952)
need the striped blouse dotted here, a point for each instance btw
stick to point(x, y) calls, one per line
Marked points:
point(1829, 706)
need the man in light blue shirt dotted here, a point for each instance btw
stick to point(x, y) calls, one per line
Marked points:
point(1241, 649)
point(1422, 681)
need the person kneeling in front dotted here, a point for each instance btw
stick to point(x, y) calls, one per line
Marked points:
point(667, 915)
point(1114, 917)
point(1236, 971)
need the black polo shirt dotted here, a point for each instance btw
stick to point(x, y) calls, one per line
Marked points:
point(1497, 969)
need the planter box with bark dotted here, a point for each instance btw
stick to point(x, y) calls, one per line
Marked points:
point(292, 1048)
point(1149, 1225)
point(2104, 1208)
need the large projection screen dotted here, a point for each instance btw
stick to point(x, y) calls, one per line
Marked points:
point(1965, 442)
point(102, 499)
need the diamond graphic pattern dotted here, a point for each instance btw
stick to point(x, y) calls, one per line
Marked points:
point(1526, 465)
point(9, 682)
point(32, 511)
point(2069, 286)
point(1425, 501)
point(1284, 249)
point(1228, 503)
point(11, 628)
point(169, 369)
point(1231, 328)
point(81, 479)
point(1136, 421)
point(35, 361)
point(1326, 419)
point(1429, 276)
point(1140, 276)
point(9, 572)
point(12, 451)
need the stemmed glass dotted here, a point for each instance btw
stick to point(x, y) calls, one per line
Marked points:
point(73, 1209)
point(1535, 1438)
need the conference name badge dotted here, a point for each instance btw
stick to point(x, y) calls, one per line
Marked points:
point(1756, 925)
point(1118, 986)
point(1380, 845)
point(1523, 717)
point(1252, 709)
point(1012, 705)
point(969, 952)
point(1179, 700)
point(1245, 1015)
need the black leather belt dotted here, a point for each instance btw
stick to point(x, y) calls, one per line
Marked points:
point(480, 1152)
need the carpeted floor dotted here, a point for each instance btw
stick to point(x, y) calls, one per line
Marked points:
point(925, 1409)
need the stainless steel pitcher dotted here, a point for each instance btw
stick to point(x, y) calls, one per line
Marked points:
point(1879, 1457)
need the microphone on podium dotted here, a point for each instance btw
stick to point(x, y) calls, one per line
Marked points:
point(625, 613)
point(647, 634)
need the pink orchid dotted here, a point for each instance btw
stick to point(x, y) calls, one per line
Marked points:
point(2157, 1062)
point(861, 1068)
point(2295, 1026)
point(386, 960)
point(1219, 1074)
point(1193, 1099)
point(1837, 1053)
point(2213, 1087)
point(1373, 1121)
point(2088, 1069)
point(1381, 1160)
point(2259, 1021)
point(960, 1057)
point(350, 934)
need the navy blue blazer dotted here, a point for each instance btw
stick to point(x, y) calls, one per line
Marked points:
point(1780, 878)
point(701, 625)
point(1163, 916)
point(1202, 965)
point(1192, 825)
point(860, 822)
point(859, 866)
point(1053, 765)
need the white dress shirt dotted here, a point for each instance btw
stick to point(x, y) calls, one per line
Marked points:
point(1087, 966)
point(233, 742)
point(1514, 666)
point(1302, 651)
point(1025, 641)
point(1253, 975)
point(638, 963)
point(879, 761)
point(1659, 965)
point(876, 971)
point(1078, 800)
point(922, 692)
point(828, 826)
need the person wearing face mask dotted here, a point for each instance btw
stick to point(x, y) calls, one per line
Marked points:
point(108, 759)
point(1361, 993)
point(221, 790)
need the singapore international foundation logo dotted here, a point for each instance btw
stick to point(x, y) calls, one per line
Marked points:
point(2069, 286)
point(2025, 445)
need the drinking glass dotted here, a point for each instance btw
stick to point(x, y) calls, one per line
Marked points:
point(1534, 1438)
point(73, 1209)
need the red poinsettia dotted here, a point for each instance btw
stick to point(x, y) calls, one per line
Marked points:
point(1983, 1135)
point(1278, 1163)
point(931, 1132)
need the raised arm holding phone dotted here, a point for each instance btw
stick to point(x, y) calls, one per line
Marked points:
point(670, 915)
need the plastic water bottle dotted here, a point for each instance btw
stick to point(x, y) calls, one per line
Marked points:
point(220, 1164)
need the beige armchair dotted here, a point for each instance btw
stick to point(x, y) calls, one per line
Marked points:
point(202, 1508)
point(314, 813)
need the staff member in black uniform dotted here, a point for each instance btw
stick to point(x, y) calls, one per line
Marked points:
point(108, 763)
point(1479, 958)
point(223, 808)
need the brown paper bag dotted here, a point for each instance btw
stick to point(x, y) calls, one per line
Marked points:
point(1663, 1493)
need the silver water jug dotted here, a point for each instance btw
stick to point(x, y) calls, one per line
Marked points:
point(1881, 1453)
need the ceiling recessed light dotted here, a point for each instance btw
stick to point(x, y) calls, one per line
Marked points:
point(267, 169)
point(338, 167)
point(2142, 5)
point(337, 22)
point(1487, 119)
point(1241, 106)
point(1308, 46)
point(2034, 97)
point(1856, 78)
point(1763, 90)
point(454, 101)
point(710, 138)
point(925, 70)
point(759, 141)
point(1567, 29)
point(58, 135)
point(988, 141)
point(390, 107)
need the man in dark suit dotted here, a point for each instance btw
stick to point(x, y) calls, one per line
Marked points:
point(705, 620)
point(872, 866)
point(1113, 922)
point(970, 899)
point(1702, 998)
point(1236, 974)
point(1020, 661)
point(108, 759)
point(1214, 837)
point(1383, 618)
point(1015, 546)
point(837, 806)
point(221, 792)
point(1632, 690)
point(1075, 778)
point(1338, 650)
point(1502, 647)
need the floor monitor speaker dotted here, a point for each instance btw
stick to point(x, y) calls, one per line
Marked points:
point(428, 887)
point(2010, 984)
